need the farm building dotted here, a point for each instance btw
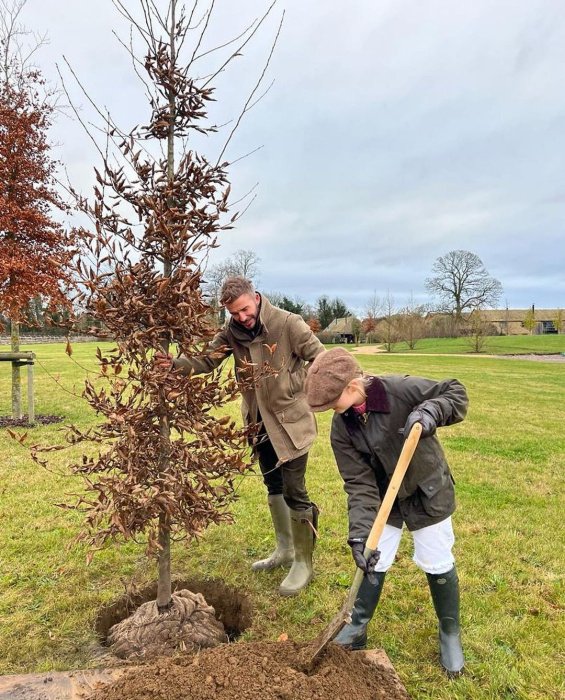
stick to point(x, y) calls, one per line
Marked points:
point(516, 321)
point(341, 330)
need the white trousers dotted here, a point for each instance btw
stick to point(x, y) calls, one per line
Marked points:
point(432, 547)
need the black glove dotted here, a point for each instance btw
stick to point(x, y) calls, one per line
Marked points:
point(366, 565)
point(420, 415)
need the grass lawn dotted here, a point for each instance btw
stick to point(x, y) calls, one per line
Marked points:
point(507, 459)
point(494, 345)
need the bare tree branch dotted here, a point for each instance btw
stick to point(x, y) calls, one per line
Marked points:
point(246, 106)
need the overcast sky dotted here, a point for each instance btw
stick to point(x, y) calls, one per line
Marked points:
point(395, 131)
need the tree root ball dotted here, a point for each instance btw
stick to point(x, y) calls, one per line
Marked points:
point(189, 624)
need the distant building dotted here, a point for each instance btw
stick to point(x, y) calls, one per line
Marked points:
point(341, 330)
point(511, 321)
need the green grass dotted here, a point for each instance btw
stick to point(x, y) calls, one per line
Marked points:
point(494, 345)
point(507, 458)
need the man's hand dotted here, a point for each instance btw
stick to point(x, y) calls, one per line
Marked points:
point(163, 361)
point(367, 566)
point(419, 415)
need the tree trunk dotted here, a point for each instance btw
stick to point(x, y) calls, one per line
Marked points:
point(16, 374)
point(164, 586)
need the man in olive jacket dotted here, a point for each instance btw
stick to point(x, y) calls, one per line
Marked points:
point(258, 332)
point(372, 416)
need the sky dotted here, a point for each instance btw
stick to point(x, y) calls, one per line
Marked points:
point(394, 132)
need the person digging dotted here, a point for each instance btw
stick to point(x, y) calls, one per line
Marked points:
point(258, 332)
point(372, 414)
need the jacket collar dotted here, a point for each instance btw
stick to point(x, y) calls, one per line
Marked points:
point(377, 398)
point(377, 402)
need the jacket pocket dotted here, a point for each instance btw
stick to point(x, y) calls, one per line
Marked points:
point(296, 381)
point(298, 422)
point(437, 493)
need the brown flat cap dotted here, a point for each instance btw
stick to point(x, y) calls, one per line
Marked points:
point(328, 376)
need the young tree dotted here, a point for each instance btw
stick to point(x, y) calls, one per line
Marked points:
point(478, 331)
point(34, 249)
point(530, 322)
point(165, 462)
point(559, 321)
point(462, 283)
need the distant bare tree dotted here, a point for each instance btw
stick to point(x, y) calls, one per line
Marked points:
point(276, 298)
point(246, 264)
point(373, 309)
point(462, 283)
point(388, 325)
point(18, 45)
point(308, 311)
point(410, 323)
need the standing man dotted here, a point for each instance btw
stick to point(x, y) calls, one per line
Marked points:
point(259, 332)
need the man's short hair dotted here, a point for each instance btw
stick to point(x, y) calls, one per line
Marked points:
point(234, 287)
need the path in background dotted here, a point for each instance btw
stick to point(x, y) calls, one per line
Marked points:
point(378, 349)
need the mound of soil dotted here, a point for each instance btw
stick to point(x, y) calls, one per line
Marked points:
point(189, 624)
point(9, 422)
point(256, 671)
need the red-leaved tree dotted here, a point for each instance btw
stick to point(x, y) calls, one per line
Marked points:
point(34, 249)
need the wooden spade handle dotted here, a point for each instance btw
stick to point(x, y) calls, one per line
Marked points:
point(400, 470)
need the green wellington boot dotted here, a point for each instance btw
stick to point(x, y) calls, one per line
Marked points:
point(303, 525)
point(445, 595)
point(354, 634)
point(283, 554)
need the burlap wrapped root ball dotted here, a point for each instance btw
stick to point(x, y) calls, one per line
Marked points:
point(189, 624)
